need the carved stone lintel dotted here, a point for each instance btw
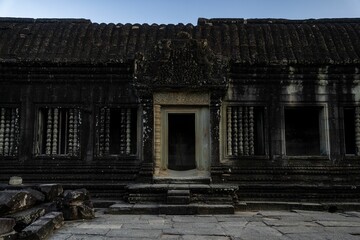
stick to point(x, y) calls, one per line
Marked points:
point(181, 98)
point(180, 62)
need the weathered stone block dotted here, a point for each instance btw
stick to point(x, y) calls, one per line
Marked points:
point(77, 197)
point(178, 199)
point(178, 209)
point(40, 197)
point(6, 225)
point(215, 209)
point(43, 227)
point(78, 212)
point(86, 212)
point(26, 217)
point(9, 236)
point(70, 212)
point(15, 180)
point(56, 217)
point(76, 204)
point(13, 200)
point(51, 191)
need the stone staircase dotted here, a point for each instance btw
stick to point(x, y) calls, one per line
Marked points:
point(177, 198)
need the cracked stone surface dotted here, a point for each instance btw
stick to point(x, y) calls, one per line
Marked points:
point(242, 225)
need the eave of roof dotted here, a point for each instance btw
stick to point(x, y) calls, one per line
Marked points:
point(246, 41)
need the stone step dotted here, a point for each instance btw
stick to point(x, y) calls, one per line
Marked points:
point(188, 209)
point(26, 217)
point(178, 192)
point(181, 193)
point(288, 206)
point(178, 200)
point(178, 196)
point(43, 227)
point(180, 180)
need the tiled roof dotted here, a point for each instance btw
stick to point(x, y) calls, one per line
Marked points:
point(263, 41)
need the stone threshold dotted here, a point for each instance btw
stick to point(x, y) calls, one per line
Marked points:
point(168, 209)
point(288, 206)
point(119, 207)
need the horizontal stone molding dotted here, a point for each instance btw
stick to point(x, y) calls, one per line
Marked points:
point(181, 98)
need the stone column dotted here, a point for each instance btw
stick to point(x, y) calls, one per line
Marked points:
point(215, 104)
point(27, 120)
point(146, 168)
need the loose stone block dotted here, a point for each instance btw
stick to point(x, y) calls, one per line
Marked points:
point(15, 180)
point(9, 236)
point(43, 227)
point(26, 217)
point(51, 191)
point(77, 195)
point(77, 205)
point(13, 200)
point(6, 225)
point(40, 197)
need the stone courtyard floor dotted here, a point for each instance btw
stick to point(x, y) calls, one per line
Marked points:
point(297, 224)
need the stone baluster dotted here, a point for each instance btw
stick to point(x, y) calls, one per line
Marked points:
point(357, 130)
point(157, 130)
point(102, 132)
point(128, 131)
point(107, 131)
point(240, 131)
point(7, 134)
point(71, 132)
point(55, 132)
point(12, 132)
point(76, 132)
point(235, 130)
point(251, 131)
point(2, 130)
point(229, 133)
point(123, 131)
point(49, 125)
point(246, 131)
point(17, 131)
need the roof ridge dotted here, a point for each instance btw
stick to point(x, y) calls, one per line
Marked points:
point(43, 20)
point(204, 21)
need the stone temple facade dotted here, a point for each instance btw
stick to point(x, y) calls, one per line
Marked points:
point(270, 106)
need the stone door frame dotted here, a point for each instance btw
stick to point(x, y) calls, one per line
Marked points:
point(181, 102)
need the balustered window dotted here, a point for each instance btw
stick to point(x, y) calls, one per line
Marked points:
point(9, 131)
point(352, 130)
point(305, 131)
point(58, 131)
point(244, 131)
point(116, 131)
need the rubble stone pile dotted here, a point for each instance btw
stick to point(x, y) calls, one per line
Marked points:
point(35, 211)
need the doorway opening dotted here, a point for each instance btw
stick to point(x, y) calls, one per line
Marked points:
point(181, 141)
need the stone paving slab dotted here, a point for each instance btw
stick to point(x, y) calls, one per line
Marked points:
point(268, 225)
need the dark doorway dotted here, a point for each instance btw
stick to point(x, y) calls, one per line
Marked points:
point(181, 139)
point(349, 127)
point(302, 131)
